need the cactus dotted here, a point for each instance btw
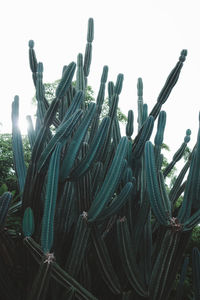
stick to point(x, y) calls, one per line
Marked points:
point(98, 221)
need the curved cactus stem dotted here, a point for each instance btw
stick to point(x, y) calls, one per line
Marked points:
point(18, 153)
point(62, 134)
point(99, 103)
point(153, 186)
point(67, 281)
point(191, 222)
point(179, 153)
point(118, 202)
point(50, 200)
point(128, 259)
point(173, 192)
point(93, 151)
point(161, 266)
point(169, 84)
point(78, 247)
point(116, 132)
point(34, 248)
point(159, 135)
point(109, 275)
point(66, 80)
point(74, 146)
point(31, 131)
point(41, 283)
point(191, 198)
point(142, 137)
point(111, 181)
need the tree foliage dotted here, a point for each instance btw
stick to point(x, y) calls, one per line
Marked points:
point(7, 174)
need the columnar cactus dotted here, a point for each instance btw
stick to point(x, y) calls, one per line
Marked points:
point(98, 222)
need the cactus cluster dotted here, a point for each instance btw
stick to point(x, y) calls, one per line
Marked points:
point(98, 221)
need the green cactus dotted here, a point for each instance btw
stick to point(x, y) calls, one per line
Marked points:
point(104, 225)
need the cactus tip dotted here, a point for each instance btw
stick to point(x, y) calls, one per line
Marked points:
point(183, 55)
point(188, 132)
point(31, 44)
point(16, 98)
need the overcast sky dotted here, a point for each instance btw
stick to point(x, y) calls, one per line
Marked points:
point(137, 38)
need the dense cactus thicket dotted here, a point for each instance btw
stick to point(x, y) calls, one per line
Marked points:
point(98, 221)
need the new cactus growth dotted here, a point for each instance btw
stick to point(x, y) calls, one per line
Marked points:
point(98, 221)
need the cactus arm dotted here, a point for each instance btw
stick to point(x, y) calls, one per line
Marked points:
point(164, 195)
point(74, 105)
point(78, 247)
point(18, 153)
point(78, 137)
point(99, 103)
point(41, 136)
point(109, 275)
point(119, 84)
point(97, 177)
point(34, 248)
point(67, 281)
point(191, 222)
point(142, 137)
point(66, 80)
point(111, 181)
point(128, 259)
point(31, 132)
point(159, 135)
point(179, 153)
point(159, 265)
point(50, 200)
point(169, 84)
point(32, 61)
point(148, 249)
point(129, 126)
point(41, 283)
point(153, 186)
point(116, 132)
point(62, 134)
point(40, 95)
point(28, 222)
point(140, 102)
point(110, 92)
point(177, 184)
point(117, 203)
point(140, 222)
point(191, 199)
point(88, 49)
point(80, 80)
point(170, 260)
point(93, 151)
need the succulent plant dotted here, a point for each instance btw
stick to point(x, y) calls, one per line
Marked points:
point(98, 222)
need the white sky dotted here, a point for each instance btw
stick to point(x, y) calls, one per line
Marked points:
point(137, 38)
